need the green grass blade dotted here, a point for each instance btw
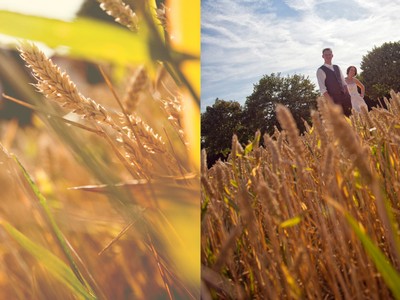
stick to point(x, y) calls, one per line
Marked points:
point(389, 274)
point(84, 38)
point(52, 263)
point(54, 227)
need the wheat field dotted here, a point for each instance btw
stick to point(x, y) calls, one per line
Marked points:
point(310, 216)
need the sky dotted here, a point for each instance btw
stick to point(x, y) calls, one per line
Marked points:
point(243, 40)
point(57, 9)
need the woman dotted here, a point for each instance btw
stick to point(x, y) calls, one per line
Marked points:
point(357, 100)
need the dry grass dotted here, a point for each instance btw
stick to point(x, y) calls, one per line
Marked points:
point(275, 221)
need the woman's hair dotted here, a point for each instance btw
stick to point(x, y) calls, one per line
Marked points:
point(348, 70)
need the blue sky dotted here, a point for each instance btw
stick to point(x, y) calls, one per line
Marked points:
point(242, 40)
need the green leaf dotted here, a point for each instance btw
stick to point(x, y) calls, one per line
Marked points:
point(248, 148)
point(388, 272)
point(84, 38)
point(253, 144)
point(52, 263)
point(291, 222)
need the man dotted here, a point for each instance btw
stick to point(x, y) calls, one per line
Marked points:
point(332, 84)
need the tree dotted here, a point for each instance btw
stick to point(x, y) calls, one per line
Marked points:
point(381, 70)
point(296, 92)
point(218, 124)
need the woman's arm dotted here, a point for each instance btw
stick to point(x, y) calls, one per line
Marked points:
point(362, 87)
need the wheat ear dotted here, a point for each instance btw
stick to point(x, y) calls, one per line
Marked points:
point(137, 84)
point(121, 12)
point(288, 123)
point(350, 141)
point(58, 87)
point(161, 14)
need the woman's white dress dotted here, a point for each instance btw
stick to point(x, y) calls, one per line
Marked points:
point(356, 100)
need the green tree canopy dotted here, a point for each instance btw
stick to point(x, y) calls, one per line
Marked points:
point(381, 70)
point(296, 92)
point(218, 124)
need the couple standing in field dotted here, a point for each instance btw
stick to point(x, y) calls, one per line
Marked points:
point(341, 90)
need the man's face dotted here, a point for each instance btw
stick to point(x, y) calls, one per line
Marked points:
point(327, 56)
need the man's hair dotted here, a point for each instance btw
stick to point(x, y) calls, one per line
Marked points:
point(326, 49)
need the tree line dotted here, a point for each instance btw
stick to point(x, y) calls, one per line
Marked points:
point(380, 73)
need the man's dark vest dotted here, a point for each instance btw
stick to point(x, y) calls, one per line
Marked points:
point(333, 81)
point(336, 90)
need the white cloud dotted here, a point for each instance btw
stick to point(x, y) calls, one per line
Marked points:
point(240, 43)
point(302, 5)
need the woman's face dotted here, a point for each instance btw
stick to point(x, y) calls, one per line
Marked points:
point(352, 72)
